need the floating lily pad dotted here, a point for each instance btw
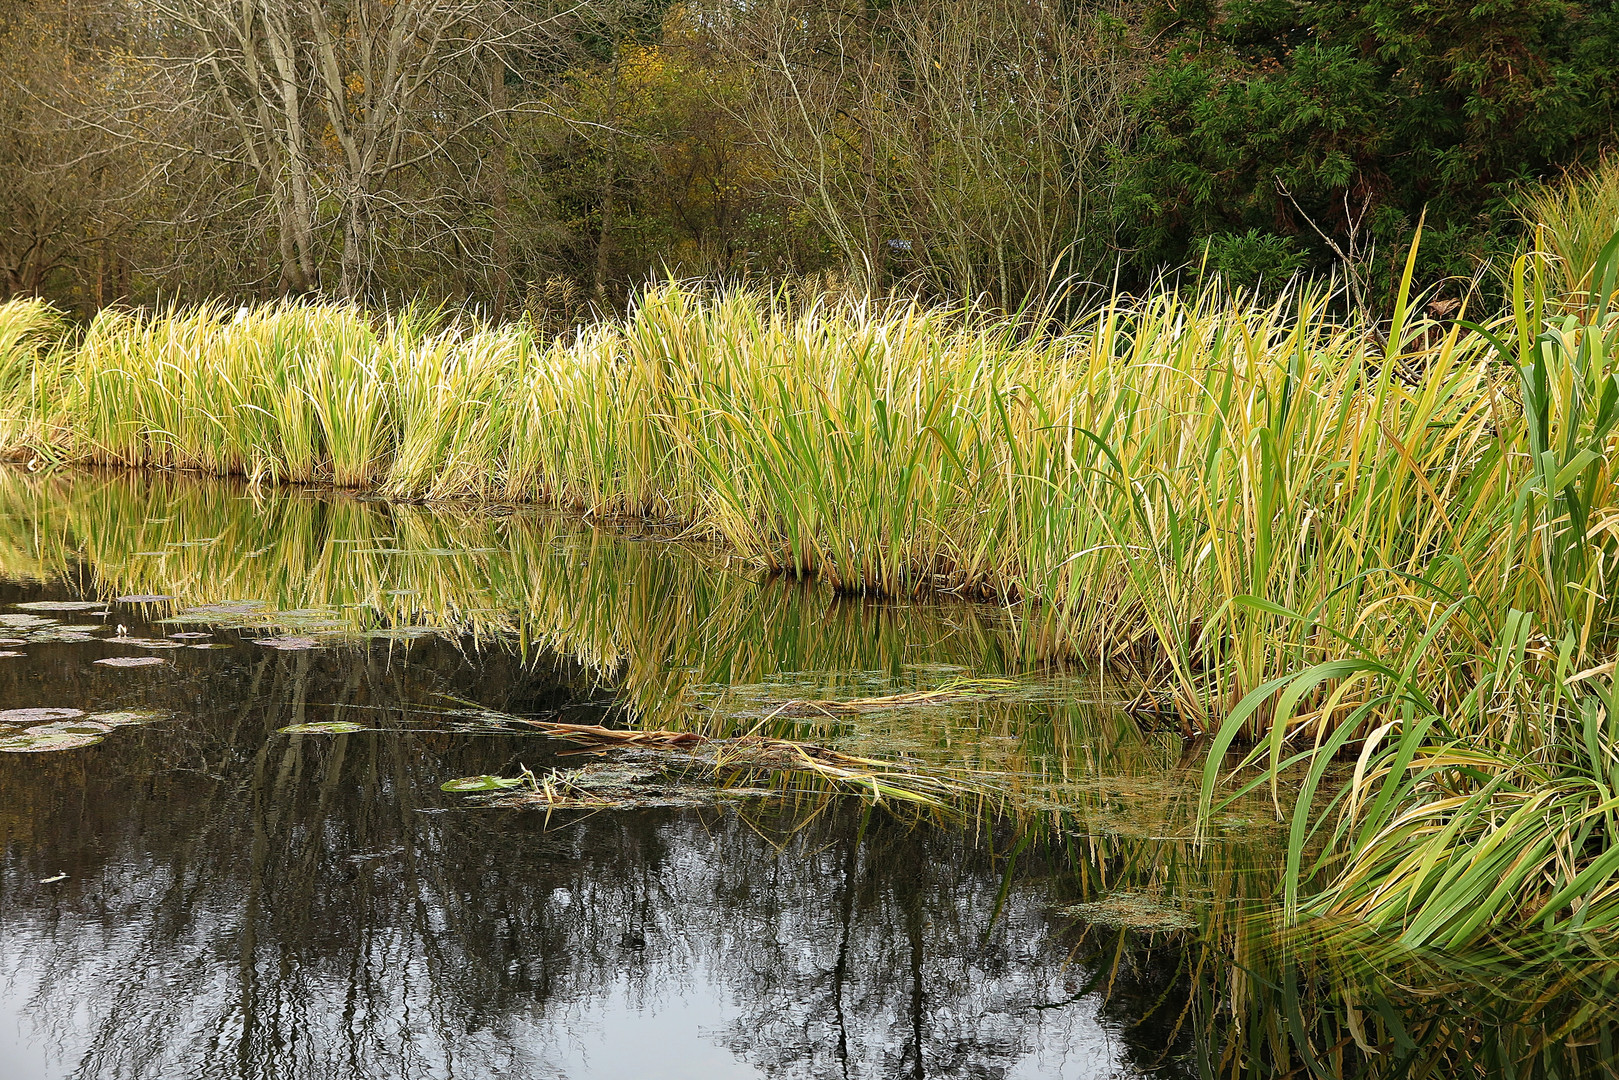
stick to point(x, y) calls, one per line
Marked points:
point(25, 622)
point(70, 727)
point(209, 645)
point(40, 744)
point(401, 633)
point(128, 717)
point(325, 727)
point(481, 783)
point(62, 635)
point(8, 641)
point(10, 652)
point(144, 598)
point(130, 661)
point(58, 605)
point(38, 716)
point(288, 643)
point(144, 643)
point(186, 635)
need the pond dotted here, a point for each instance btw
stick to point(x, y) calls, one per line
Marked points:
point(188, 889)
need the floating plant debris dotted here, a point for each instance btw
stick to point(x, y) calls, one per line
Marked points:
point(58, 605)
point(401, 633)
point(144, 643)
point(128, 717)
point(12, 641)
point(40, 744)
point(712, 763)
point(186, 635)
point(210, 645)
point(11, 652)
point(482, 783)
point(38, 716)
point(130, 661)
point(143, 598)
point(962, 690)
point(325, 727)
point(288, 642)
point(225, 608)
point(1134, 911)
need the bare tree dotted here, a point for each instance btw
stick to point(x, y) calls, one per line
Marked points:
point(329, 101)
point(961, 142)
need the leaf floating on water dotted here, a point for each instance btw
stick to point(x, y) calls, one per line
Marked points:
point(144, 643)
point(38, 716)
point(130, 661)
point(52, 880)
point(187, 635)
point(288, 643)
point(209, 645)
point(8, 641)
point(41, 744)
point(144, 598)
point(61, 635)
point(325, 727)
point(11, 652)
point(481, 783)
point(128, 717)
point(69, 727)
point(58, 605)
point(25, 622)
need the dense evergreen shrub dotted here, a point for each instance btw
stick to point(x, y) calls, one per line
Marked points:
point(1338, 123)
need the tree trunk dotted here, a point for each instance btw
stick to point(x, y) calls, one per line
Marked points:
point(609, 188)
point(499, 184)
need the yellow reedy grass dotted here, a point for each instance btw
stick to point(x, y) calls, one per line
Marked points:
point(1210, 490)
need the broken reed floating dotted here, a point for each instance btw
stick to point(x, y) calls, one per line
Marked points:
point(752, 754)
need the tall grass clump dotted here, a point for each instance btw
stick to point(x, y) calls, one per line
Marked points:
point(1574, 217)
point(29, 332)
point(1486, 794)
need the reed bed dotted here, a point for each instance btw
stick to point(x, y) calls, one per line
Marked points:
point(1160, 485)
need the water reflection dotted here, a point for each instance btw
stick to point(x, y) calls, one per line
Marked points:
point(248, 904)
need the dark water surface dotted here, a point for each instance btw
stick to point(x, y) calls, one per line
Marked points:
point(201, 894)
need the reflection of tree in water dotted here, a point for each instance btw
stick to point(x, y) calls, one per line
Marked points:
point(884, 962)
point(248, 904)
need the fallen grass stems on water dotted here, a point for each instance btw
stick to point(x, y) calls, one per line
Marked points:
point(724, 761)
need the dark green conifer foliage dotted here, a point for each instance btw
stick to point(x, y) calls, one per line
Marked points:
point(1308, 117)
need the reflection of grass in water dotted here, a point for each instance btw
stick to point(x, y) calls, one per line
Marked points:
point(658, 621)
